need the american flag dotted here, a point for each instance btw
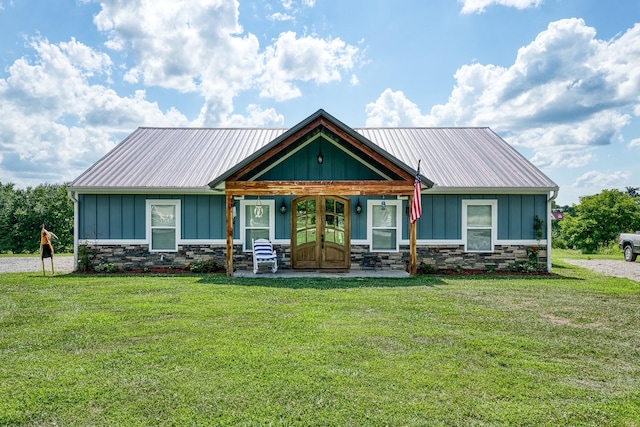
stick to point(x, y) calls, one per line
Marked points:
point(416, 205)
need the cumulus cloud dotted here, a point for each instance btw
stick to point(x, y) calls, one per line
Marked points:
point(201, 48)
point(479, 6)
point(54, 121)
point(304, 59)
point(596, 179)
point(256, 116)
point(566, 94)
point(634, 142)
point(394, 109)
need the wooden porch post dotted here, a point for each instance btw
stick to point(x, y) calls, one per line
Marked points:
point(413, 257)
point(229, 235)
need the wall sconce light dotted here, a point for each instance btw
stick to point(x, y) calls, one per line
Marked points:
point(358, 207)
point(283, 208)
point(320, 158)
point(383, 205)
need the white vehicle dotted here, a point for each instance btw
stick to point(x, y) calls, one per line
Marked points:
point(630, 244)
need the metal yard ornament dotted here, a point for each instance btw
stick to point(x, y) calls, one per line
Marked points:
point(46, 247)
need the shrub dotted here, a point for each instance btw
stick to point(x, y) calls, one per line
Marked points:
point(210, 265)
point(424, 268)
point(107, 267)
point(85, 258)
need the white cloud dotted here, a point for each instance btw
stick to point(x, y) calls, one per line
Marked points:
point(200, 47)
point(634, 142)
point(280, 17)
point(479, 6)
point(602, 180)
point(393, 109)
point(304, 59)
point(256, 117)
point(566, 94)
point(54, 121)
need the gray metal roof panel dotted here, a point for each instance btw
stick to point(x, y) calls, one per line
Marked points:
point(181, 158)
point(174, 157)
point(460, 157)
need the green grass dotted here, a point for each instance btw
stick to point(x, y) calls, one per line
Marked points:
point(430, 350)
point(573, 254)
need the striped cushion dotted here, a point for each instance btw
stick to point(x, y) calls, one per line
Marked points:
point(263, 251)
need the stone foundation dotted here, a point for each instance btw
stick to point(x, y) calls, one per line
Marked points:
point(455, 258)
point(132, 257)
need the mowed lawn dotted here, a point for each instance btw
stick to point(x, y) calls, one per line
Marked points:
point(430, 350)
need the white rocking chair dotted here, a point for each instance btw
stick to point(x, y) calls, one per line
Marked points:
point(263, 254)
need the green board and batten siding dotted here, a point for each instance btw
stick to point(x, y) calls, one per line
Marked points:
point(123, 217)
point(116, 216)
point(442, 215)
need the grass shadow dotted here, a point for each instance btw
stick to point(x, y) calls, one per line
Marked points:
point(323, 283)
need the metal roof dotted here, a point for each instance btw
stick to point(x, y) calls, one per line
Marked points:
point(182, 158)
point(461, 157)
point(190, 158)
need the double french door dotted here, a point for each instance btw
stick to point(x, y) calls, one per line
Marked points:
point(320, 232)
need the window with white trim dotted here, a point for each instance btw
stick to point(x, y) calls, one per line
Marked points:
point(384, 225)
point(163, 225)
point(257, 221)
point(479, 225)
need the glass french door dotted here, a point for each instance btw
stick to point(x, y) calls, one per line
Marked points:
point(320, 232)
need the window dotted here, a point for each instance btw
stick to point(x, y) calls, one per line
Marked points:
point(479, 224)
point(257, 221)
point(384, 225)
point(163, 218)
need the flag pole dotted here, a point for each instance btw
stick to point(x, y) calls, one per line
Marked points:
point(413, 226)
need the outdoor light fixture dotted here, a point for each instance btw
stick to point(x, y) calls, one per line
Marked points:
point(383, 205)
point(283, 208)
point(320, 158)
point(358, 207)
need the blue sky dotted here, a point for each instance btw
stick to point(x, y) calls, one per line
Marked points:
point(559, 80)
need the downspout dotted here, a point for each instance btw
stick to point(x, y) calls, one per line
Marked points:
point(549, 221)
point(74, 198)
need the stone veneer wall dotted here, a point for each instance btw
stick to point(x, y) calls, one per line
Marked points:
point(454, 257)
point(130, 257)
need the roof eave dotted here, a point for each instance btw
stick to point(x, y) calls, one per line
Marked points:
point(496, 190)
point(144, 190)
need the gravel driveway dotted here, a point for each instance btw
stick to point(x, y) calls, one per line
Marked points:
point(630, 270)
point(62, 264)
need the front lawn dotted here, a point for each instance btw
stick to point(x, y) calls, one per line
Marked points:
point(207, 350)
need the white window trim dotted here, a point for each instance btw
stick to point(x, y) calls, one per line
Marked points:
point(178, 207)
point(370, 205)
point(494, 221)
point(243, 220)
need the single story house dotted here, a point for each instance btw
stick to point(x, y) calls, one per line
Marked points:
point(328, 196)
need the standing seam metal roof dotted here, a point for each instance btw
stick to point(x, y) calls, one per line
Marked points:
point(164, 158)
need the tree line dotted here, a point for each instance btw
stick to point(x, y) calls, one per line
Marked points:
point(23, 212)
point(594, 224)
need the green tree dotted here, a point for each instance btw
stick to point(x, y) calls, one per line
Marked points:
point(24, 211)
point(599, 219)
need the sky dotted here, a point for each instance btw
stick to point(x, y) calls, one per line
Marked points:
point(557, 79)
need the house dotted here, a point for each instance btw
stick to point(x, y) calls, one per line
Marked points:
point(328, 196)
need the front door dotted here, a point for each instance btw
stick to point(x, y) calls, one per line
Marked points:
point(320, 236)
